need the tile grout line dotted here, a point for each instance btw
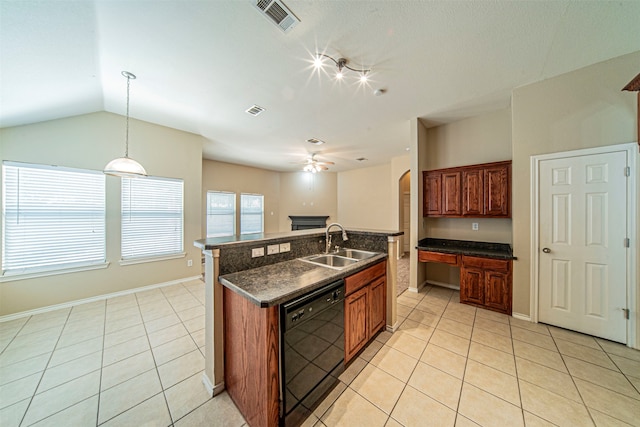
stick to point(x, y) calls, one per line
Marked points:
point(155, 363)
point(515, 365)
point(572, 378)
point(35, 390)
point(104, 334)
point(464, 372)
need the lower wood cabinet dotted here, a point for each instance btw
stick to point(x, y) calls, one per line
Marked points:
point(487, 283)
point(364, 307)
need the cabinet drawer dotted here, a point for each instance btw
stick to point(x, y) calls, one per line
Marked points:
point(427, 256)
point(486, 263)
point(358, 280)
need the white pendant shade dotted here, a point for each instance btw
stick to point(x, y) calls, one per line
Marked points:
point(125, 167)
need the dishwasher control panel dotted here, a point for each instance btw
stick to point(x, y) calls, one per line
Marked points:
point(310, 305)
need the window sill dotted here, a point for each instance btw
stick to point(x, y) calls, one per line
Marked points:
point(133, 261)
point(10, 277)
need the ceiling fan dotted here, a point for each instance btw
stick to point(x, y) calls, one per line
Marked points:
point(314, 165)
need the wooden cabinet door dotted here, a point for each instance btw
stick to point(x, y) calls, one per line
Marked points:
point(356, 332)
point(432, 188)
point(473, 192)
point(497, 191)
point(497, 293)
point(472, 285)
point(451, 197)
point(377, 305)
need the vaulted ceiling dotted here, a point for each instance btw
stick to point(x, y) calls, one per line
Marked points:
point(201, 64)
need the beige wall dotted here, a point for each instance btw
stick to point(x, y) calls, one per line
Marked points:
point(365, 198)
point(303, 193)
point(89, 142)
point(417, 274)
point(481, 139)
point(581, 109)
point(219, 176)
point(285, 193)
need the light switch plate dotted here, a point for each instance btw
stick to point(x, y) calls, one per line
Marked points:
point(256, 252)
point(285, 247)
point(273, 249)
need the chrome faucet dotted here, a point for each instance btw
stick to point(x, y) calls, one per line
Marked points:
point(327, 247)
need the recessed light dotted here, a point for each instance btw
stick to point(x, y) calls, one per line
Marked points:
point(254, 110)
point(315, 141)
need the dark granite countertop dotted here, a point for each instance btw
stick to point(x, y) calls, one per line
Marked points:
point(250, 239)
point(467, 247)
point(281, 282)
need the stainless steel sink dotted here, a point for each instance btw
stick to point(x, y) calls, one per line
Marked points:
point(355, 253)
point(338, 260)
point(330, 260)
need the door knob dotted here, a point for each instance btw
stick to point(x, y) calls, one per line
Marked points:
point(546, 250)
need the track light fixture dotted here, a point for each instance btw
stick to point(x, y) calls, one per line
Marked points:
point(342, 64)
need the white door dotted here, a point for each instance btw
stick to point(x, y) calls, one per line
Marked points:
point(583, 265)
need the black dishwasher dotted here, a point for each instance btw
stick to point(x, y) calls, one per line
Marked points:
point(311, 350)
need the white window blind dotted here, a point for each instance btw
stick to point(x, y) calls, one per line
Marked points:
point(221, 214)
point(152, 217)
point(53, 218)
point(251, 213)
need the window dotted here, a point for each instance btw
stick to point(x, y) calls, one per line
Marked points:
point(152, 217)
point(221, 214)
point(53, 218)
point(251, 213)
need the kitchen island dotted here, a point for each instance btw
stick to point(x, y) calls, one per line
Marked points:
point(242, 333)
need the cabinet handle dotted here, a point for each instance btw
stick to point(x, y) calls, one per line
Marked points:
point(546, 250)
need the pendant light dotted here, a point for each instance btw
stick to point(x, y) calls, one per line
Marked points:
point(125, 166)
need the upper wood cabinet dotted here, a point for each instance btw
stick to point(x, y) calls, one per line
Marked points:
point(432, 193)
point(497, 190)
point(451, 193)
point(469, 191)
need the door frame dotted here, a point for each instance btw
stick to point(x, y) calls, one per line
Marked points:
point(631, 150)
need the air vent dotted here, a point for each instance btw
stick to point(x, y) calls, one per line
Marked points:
point(315, 141)
point(254, 110)
point(278, 13)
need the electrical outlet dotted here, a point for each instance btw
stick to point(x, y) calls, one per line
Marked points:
point(474, 226)
point(285, 247)
point(189, 263)
point(273, 249)
point(257, 252)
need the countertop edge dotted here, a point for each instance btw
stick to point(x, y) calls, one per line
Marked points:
point(469, 248)
point(288, 296)
point(248, 239)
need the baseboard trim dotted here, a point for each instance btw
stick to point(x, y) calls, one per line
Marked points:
point(207, 384)
point(521, 316)
point(393, 328)
point(443, 284)
point(49, 308)
point(211, 389)
point(418, 289)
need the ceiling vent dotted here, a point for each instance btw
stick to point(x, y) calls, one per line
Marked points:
point(254, 110)
point(278, 13)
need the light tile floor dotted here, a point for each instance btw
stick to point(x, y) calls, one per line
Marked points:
point(128, 361)
point(138, 360)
